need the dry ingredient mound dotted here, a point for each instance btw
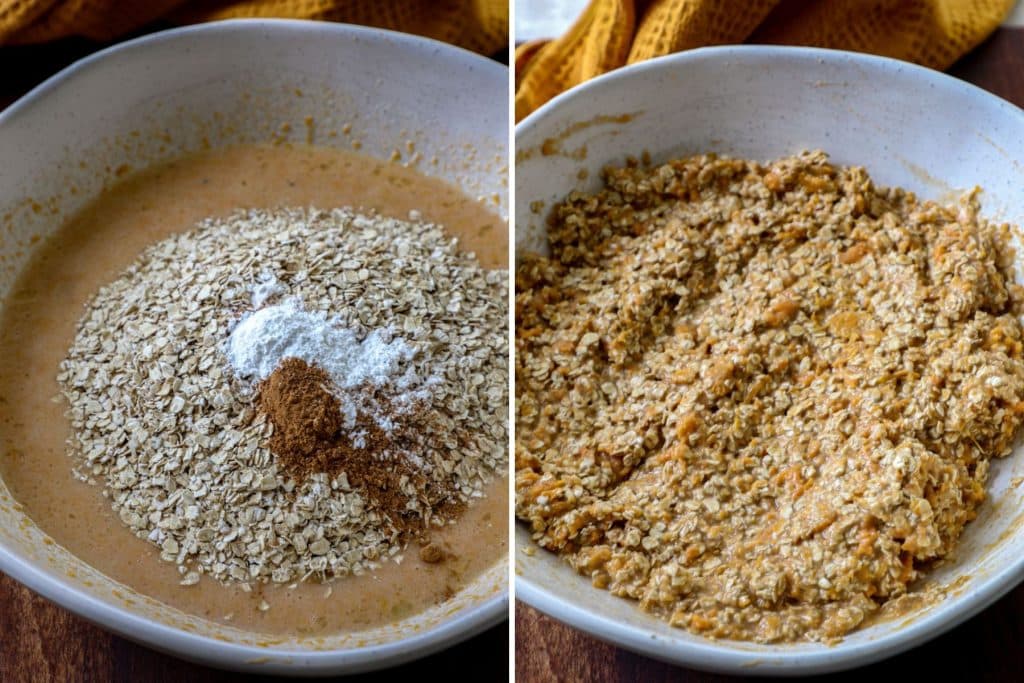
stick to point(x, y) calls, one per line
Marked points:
point(196, 443)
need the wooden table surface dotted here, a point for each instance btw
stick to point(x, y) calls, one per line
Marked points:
point(42, 642)
point(986, 648)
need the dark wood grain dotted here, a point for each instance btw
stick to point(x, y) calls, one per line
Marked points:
point(997, 65)
point(986, 648)
point(41, 642)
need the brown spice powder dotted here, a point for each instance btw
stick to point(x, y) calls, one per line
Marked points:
point(310, 437)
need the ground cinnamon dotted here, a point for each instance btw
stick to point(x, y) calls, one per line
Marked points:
point(310, 436)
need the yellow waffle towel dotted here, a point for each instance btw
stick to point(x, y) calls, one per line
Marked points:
point(478, 25)
point(613, 33)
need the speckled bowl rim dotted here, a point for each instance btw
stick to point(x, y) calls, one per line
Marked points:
point(764, 661)
point(263, 660)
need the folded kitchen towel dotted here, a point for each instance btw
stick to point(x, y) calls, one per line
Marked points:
point(613, 33)
point(478, 25)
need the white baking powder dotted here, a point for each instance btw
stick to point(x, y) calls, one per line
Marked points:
point(263, 338)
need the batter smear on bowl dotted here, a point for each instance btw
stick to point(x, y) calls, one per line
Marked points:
point(762, 399)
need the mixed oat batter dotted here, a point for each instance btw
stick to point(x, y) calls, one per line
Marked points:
point(762, 400)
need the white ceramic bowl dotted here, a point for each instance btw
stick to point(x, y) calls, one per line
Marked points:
point(909, 126)
point(153, 99)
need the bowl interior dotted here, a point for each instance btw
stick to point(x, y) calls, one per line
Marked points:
point(254, 81)
point(910, 127)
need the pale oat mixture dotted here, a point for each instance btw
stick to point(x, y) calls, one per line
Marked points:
point(762, 400)
point(160, 419)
